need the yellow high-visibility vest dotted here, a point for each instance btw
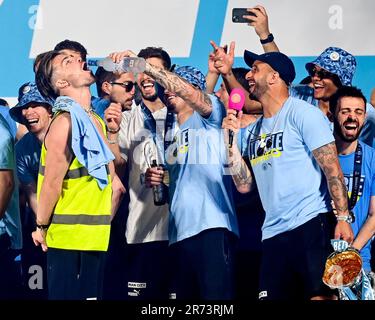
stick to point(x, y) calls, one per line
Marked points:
point(81, 217)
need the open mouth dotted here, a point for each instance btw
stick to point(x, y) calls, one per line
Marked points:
point(32, 121)
point(146, 84)
point(85, 67)
point(251, 85)
point(351, 126)
point(318, 86)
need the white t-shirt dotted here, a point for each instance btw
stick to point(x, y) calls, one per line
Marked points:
point(146, 222)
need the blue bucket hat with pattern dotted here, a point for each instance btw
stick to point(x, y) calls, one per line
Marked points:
point(27, 94)
point(192, 75)
point(337, 61)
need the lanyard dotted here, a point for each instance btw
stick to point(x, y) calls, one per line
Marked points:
point(150, 124)
point(356, 176)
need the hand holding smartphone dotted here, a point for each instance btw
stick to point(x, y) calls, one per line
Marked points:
point(238, 13)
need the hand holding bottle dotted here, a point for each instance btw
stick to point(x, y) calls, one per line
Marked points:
point(154, 178)
point(120, 62)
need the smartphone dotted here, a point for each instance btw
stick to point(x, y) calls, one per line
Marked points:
point(238, 13)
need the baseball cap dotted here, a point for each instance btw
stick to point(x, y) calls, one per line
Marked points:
point(27, 94)
point(277, 60)
point(192, 75)
point(336, 61)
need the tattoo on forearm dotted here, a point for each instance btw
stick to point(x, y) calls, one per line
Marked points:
point(327, 159)
point(241, 174)
point(196, 98)
point(338, 193)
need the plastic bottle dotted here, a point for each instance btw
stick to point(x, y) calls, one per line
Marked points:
point(128, 64)
point(160, 191)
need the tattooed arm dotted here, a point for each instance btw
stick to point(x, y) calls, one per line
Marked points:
point(326, 156)
point(240, 172)
point(238, 168)
point(195, 97)
point(368, 228)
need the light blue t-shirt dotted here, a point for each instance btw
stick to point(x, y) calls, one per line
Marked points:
point(11, 222)
point(368, 132)
point(291, 185)
point(366, 190)
point(200, 191)
point(4, 111)
point(27, 158)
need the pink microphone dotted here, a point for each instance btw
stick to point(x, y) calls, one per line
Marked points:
point(236, 102)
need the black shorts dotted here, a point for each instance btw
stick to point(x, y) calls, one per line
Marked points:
point(204, 266)
point(74, 274)
point(148, 270)
point(293, 262)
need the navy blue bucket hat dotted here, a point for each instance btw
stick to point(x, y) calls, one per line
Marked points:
point(27, 94)
point(337, 61)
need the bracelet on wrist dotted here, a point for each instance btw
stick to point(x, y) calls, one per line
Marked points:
point(113, 131)
point(112, 141)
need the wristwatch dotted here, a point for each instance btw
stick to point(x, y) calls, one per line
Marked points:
point(269, 39)
point(350, 218)
point(42, 226)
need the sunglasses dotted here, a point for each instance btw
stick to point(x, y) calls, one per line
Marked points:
point(322, 74)
point(127, 85)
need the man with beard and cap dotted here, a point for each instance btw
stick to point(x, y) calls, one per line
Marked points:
point(140, 134)
point(357, 160)
point(297, 229)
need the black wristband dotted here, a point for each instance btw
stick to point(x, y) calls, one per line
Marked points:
point(269, 39)
point(42, 226)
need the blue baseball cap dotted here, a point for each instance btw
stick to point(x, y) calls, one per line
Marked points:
point(278, 62)
point(337, 61)
point(192, 75)
point(28, 93)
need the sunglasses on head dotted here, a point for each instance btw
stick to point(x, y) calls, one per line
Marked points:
point(127, 85)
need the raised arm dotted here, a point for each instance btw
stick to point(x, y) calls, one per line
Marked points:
point(113, 118)
point(261, 27)
point(197, 99)
point(240, 172)
point(224, 63)
point(118, 188)
point(326, 156)
point(212, 74)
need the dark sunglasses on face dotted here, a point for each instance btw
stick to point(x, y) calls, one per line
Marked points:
point(322, 74)
point(127, 85)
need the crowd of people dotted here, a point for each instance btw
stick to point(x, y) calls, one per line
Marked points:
point(252, 219)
